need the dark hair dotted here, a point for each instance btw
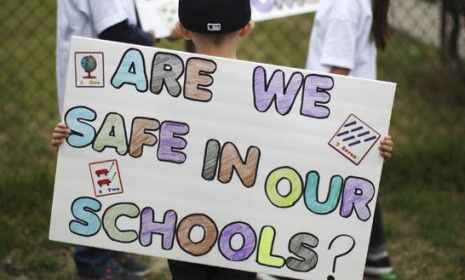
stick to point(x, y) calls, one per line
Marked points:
point(381, 30)
point(217, 39)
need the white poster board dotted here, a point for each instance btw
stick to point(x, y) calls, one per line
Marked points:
point(161, 15)
point(217, 161)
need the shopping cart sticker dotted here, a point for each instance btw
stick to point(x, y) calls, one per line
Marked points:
point(106, 178)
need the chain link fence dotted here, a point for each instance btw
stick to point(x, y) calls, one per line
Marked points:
point(419, 51)
point(27, 64)
point(425, 58)
point(27, 83)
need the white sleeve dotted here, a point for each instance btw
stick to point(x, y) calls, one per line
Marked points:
point(106, 13)
point(340, 38)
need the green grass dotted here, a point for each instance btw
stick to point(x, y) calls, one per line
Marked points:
point(423, 185)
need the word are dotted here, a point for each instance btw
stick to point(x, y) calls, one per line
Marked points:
point(112, 134)
point(167, 69)
point(87, 223)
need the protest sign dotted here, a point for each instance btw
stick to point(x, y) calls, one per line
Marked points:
point(217, 161)
point(161, 15)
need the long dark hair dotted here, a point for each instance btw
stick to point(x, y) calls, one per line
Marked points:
point(380, 28)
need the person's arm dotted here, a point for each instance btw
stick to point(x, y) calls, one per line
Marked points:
point(339, 70)
point(127, 33)
point(339, 37)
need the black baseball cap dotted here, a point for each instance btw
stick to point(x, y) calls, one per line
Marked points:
point(214, 16)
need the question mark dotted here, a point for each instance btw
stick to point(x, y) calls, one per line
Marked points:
point(330, 277)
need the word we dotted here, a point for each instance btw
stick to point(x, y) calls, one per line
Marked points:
point(315, 92)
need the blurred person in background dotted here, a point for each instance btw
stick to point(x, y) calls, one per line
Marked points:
point(114, 20)
point(345, 38)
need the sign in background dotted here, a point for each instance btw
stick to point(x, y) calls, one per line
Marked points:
point(161, 15)
point(217, 161)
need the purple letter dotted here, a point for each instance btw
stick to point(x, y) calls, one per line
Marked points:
point(166, 228)
point(358, 192)
point(263, 7)
point(248, 244)
point(315, 94)
point(169, 143)
point(265, 93)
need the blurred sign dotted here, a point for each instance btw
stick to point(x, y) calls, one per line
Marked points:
point(161, 15)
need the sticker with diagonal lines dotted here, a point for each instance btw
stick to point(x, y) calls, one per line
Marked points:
point(106, 178)
point(354, 139)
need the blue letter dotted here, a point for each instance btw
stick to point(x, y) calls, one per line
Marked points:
point(131, 70)
point(87, 223)
point(311, 194)
point(82, 134)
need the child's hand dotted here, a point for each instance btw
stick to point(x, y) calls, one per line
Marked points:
point(60, 132)
point(386, 147)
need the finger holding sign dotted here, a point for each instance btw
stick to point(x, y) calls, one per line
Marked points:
point(60, 132)
point(386, 147)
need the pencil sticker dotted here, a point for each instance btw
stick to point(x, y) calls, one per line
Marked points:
point(354, 139)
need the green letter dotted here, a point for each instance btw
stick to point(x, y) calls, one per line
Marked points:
point(272, 182)
point(110, 218)
point(265, 247)
point(112, 133)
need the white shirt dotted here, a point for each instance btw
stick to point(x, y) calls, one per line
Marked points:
point(341, 36)
point(86, 18)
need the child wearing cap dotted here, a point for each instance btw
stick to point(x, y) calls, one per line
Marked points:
point(215, 27)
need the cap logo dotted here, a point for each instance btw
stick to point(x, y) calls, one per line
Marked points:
point(214, 26)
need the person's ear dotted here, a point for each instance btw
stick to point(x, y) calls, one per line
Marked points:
point(181, 31)
point(247, 28)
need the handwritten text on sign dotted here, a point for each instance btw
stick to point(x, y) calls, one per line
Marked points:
point(217, 161)
point(162, 15)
